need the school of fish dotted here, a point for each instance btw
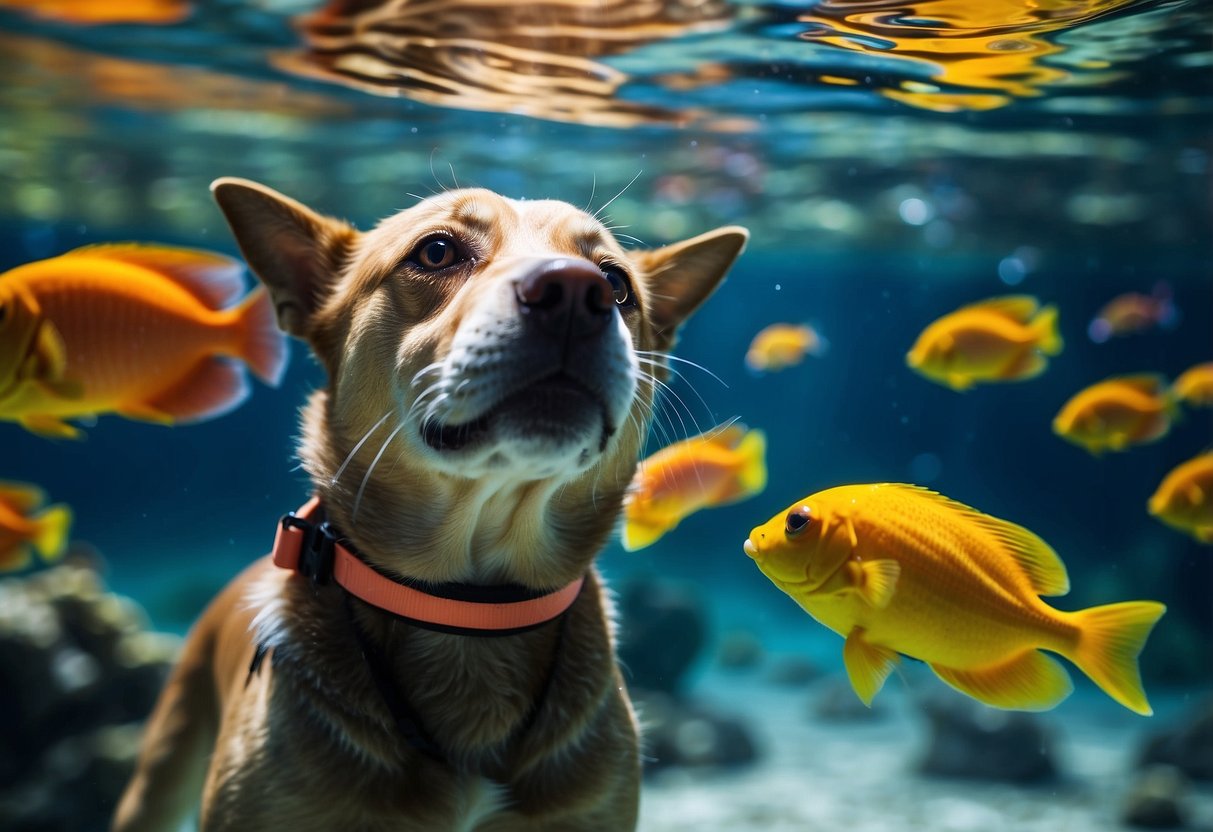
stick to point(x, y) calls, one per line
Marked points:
point(893, 568)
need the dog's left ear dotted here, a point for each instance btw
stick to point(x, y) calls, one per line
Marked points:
point(681, 276)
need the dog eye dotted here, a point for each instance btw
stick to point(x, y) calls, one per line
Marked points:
point(435, 253)
point(619, 285)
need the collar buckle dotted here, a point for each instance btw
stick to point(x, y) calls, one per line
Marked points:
point(317, 549)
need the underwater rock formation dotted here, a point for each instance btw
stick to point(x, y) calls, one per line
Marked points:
point(740, 650)
point(793, 672)
point(975, 741)
point(664, 627)
point(79, 671)
point(1156, 800)
point(690, 734)
point(1188, 747)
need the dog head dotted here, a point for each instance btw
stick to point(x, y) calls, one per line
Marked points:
point(491, 368)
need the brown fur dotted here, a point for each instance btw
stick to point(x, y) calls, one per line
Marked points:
point(307, 743)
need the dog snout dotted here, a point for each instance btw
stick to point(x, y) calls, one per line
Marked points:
point(567, 296)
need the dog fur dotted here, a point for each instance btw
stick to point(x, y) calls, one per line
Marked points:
point(473, 429)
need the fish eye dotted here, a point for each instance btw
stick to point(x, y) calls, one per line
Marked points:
point(436, 252)
point(620, 287)
point(797, 521)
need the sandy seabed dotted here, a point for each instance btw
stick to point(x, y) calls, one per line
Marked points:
point(859, 775)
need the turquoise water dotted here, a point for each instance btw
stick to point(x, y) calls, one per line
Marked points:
point(890, 160)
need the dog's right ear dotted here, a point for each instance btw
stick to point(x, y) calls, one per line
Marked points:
point(296, 252)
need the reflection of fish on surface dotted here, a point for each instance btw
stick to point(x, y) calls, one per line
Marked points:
point(783, 345)
point(1000, 339)
point(26, 525)
point(97, 12)
point(1117, 413)
point(1134, 312)
point(722, 466)
point(900, 569)
point(143, 331)
point(1194, 387)
point(1184, 499)
point(981, 55)
point(534, 59)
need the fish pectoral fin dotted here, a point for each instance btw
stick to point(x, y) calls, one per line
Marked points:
point(877, 581)
point(958, 381)
point(51, 427)
point(868, 665)
point(1028, 681)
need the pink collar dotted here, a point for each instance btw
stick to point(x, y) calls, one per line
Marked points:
point(315, 550)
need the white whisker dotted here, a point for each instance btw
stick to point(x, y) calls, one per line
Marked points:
point(367, 476)
point(350, 456)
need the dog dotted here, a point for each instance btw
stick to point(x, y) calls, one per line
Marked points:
point(491, 369)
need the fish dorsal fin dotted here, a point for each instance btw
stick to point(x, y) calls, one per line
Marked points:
point(22, 497)
point(1043, 568)
point(214, 279)
point(1151, 384)
point(1016, 307)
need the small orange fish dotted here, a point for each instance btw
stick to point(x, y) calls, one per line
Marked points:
point(1117, 413)
point(147, 332)
point(718, 467)
point(1134, 312)
point(1000, 339)
point(25, 525)
point(96, 12)
point(1194, 386)
point(1184, 499)
point(783, 345)
point(900, 569)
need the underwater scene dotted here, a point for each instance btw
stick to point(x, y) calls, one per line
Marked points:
point(922, 538)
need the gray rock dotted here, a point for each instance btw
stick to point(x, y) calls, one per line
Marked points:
point(974, 741)
point(1156, 799)
point(689, 734)
point(740, 650)
point(662, 630)
point(78, 673)
point(1188, 746)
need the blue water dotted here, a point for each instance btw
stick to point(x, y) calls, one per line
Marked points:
point(870, 218)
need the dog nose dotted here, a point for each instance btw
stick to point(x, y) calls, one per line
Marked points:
point(567, 295)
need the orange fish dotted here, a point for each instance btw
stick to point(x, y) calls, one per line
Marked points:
point(783, 345)
point(899, 569)
point(1000, 339)
point(719, 467)
point(1117, 413)
point(96, 12)
point(147, 332)
point(25, 525)
point(1194, 386)
point(1134, 312)
point(1184, 499)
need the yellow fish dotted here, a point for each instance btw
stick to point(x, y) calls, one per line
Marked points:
point(1195, 386)
point(1117, 413)
point(1184, 500)
point(21, 529)
point(718, 467)
point(900, 569)
point(1000, 339)
point(147, 332)
point(783, 345)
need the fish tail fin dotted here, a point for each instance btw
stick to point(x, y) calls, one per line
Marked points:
point(262, 344)
point(1111, 638)
point(638, 534)
point(53, 524)
point(1044, 327)
point(753, 452)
